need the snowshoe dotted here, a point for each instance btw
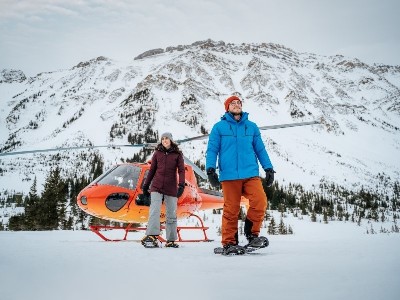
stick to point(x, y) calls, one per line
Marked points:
point(171, 244)
point(150, 241)
point(230, 250)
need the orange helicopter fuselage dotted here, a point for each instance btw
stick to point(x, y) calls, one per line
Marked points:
point(117, 195)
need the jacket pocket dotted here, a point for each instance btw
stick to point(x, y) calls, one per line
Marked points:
point(249, 131)
point(226, 132)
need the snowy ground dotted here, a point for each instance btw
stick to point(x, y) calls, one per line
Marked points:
point(320, 261)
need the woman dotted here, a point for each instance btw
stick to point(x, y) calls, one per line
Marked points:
point(167, 159)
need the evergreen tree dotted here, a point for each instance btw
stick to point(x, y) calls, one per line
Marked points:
point(331, 212)
point(31, 207)
point(383, 217)
point(282, 227)
point(325, 216)
point(313, 216)
point(97, 166)
point(54, 194)
point(395, 228)
point(272, 227)
point(76, 185)
point(16, 223)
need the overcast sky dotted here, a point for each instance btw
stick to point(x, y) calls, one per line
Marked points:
point(47, 35)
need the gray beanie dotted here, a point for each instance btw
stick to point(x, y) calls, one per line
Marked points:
point(168, 135)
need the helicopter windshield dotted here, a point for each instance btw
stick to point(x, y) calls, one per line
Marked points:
point(126, 176)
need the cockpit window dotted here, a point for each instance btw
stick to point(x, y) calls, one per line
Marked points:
point(126, 176)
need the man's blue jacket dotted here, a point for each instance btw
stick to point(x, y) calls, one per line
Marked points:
point(238, 145)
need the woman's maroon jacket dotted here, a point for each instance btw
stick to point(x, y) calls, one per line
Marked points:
point(162, 174)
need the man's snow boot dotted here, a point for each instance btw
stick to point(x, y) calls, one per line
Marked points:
point(257, 241)
point(150, 241)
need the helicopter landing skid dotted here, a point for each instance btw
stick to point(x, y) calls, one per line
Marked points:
point(99, 229)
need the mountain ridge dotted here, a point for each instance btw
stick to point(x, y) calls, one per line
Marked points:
point(182, 89)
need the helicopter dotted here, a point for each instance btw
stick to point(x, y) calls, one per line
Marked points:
point(117, 194)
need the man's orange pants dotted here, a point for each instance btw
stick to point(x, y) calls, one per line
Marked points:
point(250, 188)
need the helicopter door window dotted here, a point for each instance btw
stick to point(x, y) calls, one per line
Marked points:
point(125, 176)
point(141, 200)
point(144, 178)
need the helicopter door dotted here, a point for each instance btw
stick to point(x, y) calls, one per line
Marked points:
point(141, 199)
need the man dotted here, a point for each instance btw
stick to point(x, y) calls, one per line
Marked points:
point(237, 143)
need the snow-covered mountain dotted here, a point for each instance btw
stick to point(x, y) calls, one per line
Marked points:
point(182, 89)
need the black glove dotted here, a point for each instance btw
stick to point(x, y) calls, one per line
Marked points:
point(181, 188)
point(213, 177)
point(145, 190)
point(269, 176)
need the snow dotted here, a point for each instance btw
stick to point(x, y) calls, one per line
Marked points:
point(319, 261)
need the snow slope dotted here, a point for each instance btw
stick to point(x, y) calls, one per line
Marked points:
point(320, 261)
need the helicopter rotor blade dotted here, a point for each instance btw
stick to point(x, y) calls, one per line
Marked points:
point(68, 148)
point(201, 137)
point(195, 138)
point(195, 168)
point(152, 145)
point(289, 125)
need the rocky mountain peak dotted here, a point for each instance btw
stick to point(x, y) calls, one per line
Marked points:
point(10, 76)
